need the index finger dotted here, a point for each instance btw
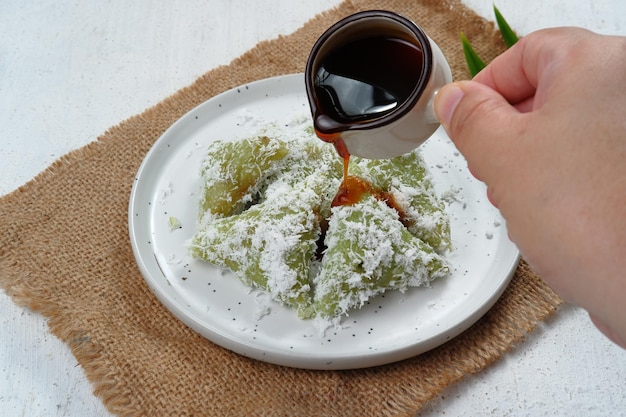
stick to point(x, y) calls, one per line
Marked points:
point(516, 73)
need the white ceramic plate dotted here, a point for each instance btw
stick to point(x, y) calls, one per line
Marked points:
point(216, 305)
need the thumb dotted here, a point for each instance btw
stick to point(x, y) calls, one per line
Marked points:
point(479, 121)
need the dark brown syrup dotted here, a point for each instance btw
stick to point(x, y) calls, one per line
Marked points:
point(355, 84)
point(363, 81)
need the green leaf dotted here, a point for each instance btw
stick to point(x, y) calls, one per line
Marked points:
point(509, 37)
point(474, 63)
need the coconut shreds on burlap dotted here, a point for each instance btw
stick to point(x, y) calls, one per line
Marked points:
point(65, 253)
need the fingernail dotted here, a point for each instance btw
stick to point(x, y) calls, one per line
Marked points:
point(446, 101)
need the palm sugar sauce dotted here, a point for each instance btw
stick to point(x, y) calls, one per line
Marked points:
point(358, 83)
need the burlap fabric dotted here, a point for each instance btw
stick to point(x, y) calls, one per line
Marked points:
point(65, 252)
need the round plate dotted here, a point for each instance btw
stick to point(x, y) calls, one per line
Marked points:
point(162, 216)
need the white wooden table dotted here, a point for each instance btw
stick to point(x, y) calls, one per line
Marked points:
point(70, 70)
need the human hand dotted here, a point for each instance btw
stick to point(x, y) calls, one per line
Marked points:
point(544, 126)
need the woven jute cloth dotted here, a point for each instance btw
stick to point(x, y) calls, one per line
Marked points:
point(65, 253)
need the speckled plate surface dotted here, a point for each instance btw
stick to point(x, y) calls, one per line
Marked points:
point(162, 215)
